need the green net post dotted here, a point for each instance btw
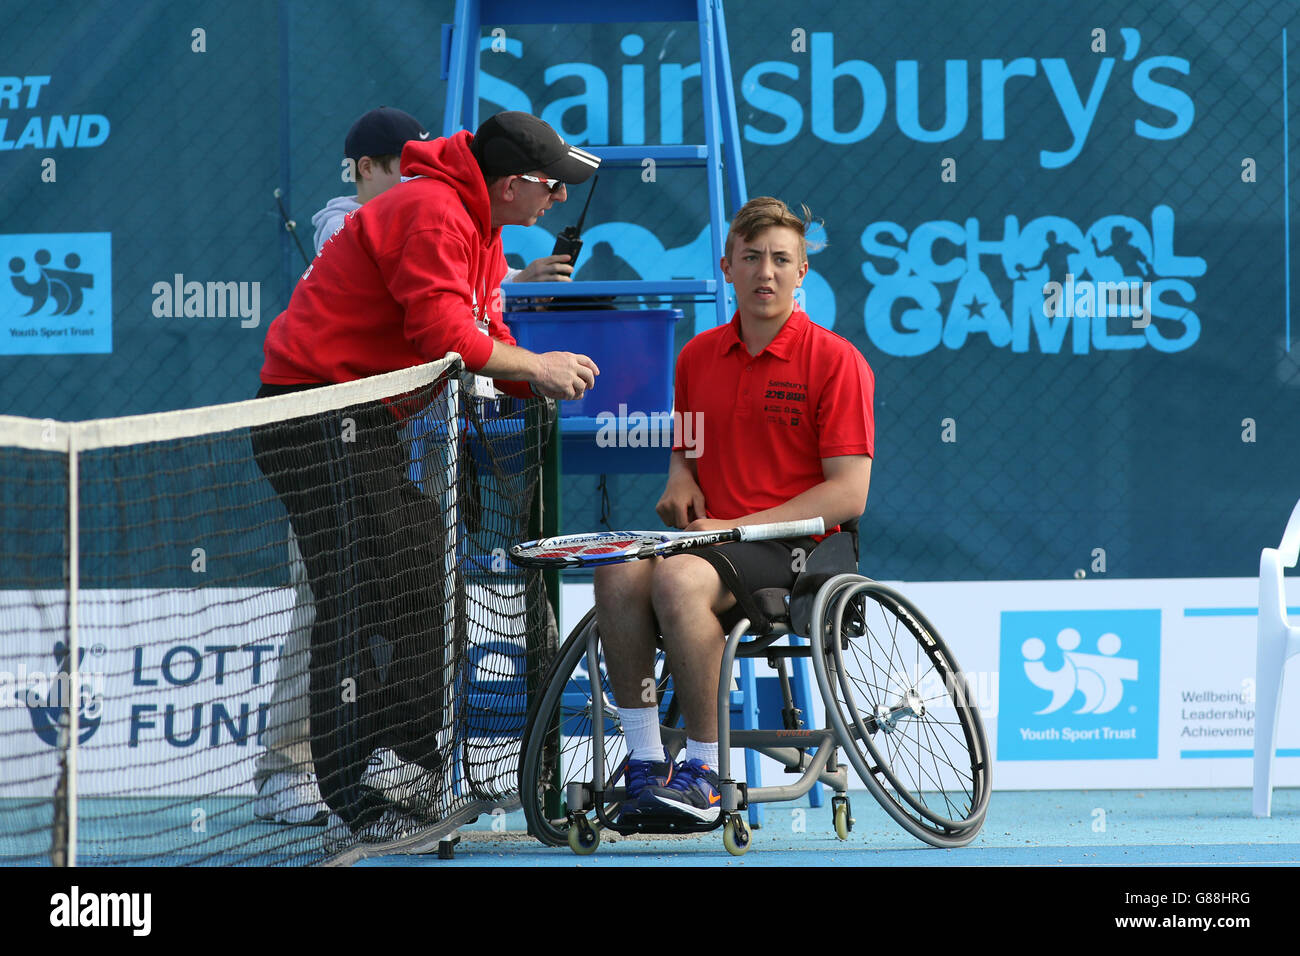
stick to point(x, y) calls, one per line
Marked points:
point(546, 512)
point(545, 522)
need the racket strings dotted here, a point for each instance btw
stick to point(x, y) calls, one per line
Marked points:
point(612, 544)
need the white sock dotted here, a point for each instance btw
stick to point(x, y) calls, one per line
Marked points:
point(641, 730)
point(706, 753)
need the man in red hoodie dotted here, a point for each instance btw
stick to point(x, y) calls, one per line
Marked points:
point(412, 275)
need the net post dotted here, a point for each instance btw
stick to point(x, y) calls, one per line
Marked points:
point(544, 522)
point(213, 470)
point(74, 638)
point(63, 838)
point(453, 591)
point(547, 511)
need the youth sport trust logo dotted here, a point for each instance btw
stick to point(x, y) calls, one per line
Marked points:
point(66, 287)
point(1099, 677)
point(1079, 685)
point(58, 294)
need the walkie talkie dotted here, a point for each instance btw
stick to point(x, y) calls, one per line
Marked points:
point(569, 241)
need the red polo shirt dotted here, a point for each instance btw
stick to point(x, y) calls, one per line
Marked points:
point(762, 424)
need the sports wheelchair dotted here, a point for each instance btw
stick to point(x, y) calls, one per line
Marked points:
point(895, 701)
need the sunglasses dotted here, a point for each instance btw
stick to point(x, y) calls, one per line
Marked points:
point(552, 184)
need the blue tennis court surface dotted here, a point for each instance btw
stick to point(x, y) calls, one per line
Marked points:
point(1106, 828)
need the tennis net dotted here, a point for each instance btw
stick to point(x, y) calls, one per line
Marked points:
point(281, 631)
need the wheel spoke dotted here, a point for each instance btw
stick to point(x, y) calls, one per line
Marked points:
point(967, 792)
point(920, 758)
point(570, 700)
point(897, 699)
point(922, 781)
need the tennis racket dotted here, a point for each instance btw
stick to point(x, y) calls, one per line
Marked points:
point(615, 547)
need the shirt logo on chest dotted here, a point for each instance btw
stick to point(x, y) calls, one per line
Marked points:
point(785, 402)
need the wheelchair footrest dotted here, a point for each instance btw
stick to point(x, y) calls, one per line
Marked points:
point(644, 823)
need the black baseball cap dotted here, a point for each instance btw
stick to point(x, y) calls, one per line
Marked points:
point(382, 132)
point(512, 142)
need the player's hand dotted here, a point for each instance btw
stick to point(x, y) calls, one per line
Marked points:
point(547, 269)
point(682, 501)
point(564, 375)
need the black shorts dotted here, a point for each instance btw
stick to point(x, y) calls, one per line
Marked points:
point(749, 566)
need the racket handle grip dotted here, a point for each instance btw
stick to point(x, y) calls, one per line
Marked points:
point(782, 529)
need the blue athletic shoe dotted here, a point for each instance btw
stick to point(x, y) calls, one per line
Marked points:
point(693, 793)
point(641, 776)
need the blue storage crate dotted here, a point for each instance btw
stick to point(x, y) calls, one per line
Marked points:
point(507, 434)
point(633, 349)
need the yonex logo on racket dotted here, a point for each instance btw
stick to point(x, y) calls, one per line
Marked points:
point(651, 430)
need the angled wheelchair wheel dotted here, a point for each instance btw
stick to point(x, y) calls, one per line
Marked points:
point(902, 710)
point(552, 761)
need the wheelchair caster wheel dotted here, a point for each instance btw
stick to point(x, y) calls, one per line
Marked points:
point(842, 822)
point(842, 813)
point(735, 835)
point(583, 837)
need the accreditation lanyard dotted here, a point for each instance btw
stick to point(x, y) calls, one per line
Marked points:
point(482, 386)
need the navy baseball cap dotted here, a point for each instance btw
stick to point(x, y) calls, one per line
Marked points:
point(512, 142)
point(382, 132)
